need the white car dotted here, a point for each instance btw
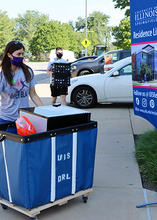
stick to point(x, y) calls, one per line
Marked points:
point(114, 85)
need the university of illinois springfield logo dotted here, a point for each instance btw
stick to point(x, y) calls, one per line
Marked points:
point(146, 16)
point(19, 89)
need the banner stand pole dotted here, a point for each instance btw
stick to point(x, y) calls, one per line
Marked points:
point(146, 204)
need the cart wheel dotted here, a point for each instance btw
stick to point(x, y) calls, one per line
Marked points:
point(4, 206)
point(34, 218)
point(85, 198)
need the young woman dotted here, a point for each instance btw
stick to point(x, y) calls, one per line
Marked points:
point(17, 82)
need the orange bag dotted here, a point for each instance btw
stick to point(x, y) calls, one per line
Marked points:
point(24, 126)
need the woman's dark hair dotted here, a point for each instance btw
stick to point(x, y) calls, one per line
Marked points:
point(6, 64)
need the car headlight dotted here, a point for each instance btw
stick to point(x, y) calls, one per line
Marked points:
point(73, 68)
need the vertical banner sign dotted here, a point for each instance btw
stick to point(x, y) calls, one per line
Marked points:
point(144, 58)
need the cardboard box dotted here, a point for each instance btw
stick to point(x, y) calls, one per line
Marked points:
point(108, 59)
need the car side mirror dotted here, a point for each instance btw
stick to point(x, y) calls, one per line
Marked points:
point(116, 73)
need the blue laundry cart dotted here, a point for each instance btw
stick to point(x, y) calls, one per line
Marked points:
point(45, 169)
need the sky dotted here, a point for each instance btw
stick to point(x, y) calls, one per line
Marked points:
point(64, 10)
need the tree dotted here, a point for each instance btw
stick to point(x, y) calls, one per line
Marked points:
point(6, 30)
point(92, 36)
point(69, 39)
point(79, 36)
point(145, 72)
point(80, 24)
point(53, 34)
point(28, 23)
point(123, 4)
point(122, 34)
point(71, 24)
point(96, 23)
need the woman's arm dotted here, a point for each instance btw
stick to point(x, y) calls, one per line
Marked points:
point(35, 98)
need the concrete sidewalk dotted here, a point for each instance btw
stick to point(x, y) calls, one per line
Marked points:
point(117, 184)
point(117, 179)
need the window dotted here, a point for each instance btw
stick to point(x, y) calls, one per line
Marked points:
point(126, 54)
point(115, 57)
point(127, 70)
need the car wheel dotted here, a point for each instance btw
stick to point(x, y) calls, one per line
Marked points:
point(84, 97)
point(84, 72)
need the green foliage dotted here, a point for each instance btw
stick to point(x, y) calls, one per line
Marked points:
point(38, 33)
point(122, 34)
point(97, 23)
point(68, 36)
point(93, 39)
point(28, 23)
point(123, 4)
point(53, 34)
point(146, 154)
point(145, 70)
point(26, 26)
point(6, 31)
point(79, 36)
point(27, 53)
point(71, 24)
point(80, 24)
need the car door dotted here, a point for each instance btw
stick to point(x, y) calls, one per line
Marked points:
point(119, 88)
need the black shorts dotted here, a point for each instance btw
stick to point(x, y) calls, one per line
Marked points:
point(57, 90)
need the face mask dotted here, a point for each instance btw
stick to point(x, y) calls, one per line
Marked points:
point(59, 55)
point(17, 61)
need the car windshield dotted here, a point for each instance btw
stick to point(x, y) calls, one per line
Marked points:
point(99, 57)
point(115, 57)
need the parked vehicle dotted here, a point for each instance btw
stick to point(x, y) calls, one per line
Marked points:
point(99, 49)
point(97, 65)
point(113, 86)
point(67, 55)
point(85, 58)
point(111, 66)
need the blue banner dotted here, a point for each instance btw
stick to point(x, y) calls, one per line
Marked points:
point(144, 58)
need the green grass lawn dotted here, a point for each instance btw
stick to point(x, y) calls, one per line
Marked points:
point(146, 155)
